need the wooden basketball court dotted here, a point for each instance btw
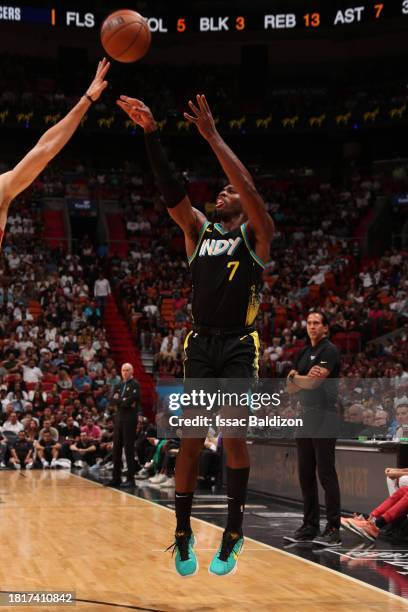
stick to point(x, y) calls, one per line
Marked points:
point(59, 532)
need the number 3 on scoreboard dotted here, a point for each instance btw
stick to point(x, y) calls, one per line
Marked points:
point(405, 7)
point(234, 265)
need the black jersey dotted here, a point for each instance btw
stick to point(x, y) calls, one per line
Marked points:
point(227, 277)
point(326, 355)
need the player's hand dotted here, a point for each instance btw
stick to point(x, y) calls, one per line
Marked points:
point(99, 84)
point(138, 112)
point(203, 119)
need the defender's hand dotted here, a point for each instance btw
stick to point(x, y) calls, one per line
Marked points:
point(99, 84)
point(203, 120)
point(138, 112)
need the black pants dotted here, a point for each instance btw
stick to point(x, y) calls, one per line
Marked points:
point(318, 453)
point(124, 435)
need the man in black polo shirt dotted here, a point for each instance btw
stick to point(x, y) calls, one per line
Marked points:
point(314, 379)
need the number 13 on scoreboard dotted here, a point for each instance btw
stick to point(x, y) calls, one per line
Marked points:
point(312, 20)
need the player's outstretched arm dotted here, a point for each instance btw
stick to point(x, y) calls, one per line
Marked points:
point(254, 207)
point(174, 194)
point(50, 143)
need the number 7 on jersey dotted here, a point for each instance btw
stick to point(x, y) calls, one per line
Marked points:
point(234, 265)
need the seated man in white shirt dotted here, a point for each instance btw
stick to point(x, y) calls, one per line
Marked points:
point(32, 373)
point(169, 346)
point(12, 424)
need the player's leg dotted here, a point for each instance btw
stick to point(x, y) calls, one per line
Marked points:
point(239, 369)
point(186, 479)
point(197, 367)
point(225, 560)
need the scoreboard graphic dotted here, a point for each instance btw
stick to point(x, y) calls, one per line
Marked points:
point(314, 16)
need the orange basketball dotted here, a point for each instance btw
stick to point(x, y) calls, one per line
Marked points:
point(125, 36)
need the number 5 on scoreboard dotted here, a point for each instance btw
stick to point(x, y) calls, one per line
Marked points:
point(234, 265)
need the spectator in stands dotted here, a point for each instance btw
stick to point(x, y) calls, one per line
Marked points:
point(169, 346)
point(17, 401)
point(102, 291)
point(21, 452)
point(353, 421)
point(47, 450)
point(47, 428)
point(112, 378)
point(93, 432)
point(70, 343)
point(69, 434)
point(12, 424)
point(63, 380)
point(83, 451)
point(151, 309)
point(3, 449)
point(82, 382)
point(106, 443)
point(31, 372)
point(401, 417)
point(391, 510)
point(88, 352)
point(32, 430)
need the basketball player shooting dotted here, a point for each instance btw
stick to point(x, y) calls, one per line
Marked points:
point(223, 342)
point(50, 144)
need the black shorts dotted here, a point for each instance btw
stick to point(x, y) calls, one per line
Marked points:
point(221, 357)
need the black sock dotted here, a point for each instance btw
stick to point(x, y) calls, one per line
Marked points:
point(237, 482)
point(183, 502)
point(380, 522)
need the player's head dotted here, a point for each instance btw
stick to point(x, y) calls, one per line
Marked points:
point(228, 203)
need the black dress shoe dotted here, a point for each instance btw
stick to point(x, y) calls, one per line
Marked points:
point(112, 483)
point(128, 484)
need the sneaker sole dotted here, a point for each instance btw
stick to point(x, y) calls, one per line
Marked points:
point(232, 572)
point(326, 544)
point(352, 528)
point(363, 534)
point(296, 541)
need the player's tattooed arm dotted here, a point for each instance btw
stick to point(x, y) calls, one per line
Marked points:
point(52, 141)
point(259, 221)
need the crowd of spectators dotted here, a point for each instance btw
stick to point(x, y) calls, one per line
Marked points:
point(56, 370)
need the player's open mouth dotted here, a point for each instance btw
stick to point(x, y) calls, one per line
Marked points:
point(219, 202)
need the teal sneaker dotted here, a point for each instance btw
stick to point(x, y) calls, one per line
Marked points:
point(226, 557)
point(186, 561)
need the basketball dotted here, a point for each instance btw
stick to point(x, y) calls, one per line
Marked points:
point(125, 36)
